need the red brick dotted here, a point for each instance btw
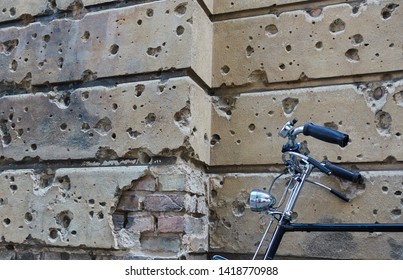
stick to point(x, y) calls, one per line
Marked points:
point(164, 202)
point(171, 224)
point(145, 183)
point(129, 201)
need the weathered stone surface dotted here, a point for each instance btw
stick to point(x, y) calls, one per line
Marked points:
point(99, 122)
point(341, 41)
point(245, 127)
point(234, 228)
point(10, 10)
point(228, 6)
point(136, 39)
point(69, 207)
point(89, 207)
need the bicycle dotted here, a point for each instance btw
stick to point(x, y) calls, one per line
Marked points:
point(299, 166)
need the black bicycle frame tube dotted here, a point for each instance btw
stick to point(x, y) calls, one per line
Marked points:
point(276, 238)
point(360, 227)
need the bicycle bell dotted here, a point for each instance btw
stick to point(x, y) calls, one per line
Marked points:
point(261, 201)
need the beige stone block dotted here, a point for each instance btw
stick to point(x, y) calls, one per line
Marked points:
point(228, 6)
point(234, 228)
point(71, 207)
point(245, 127)
point(135, 39)
point(11, 10)
point(340, 41)
point(99, 122)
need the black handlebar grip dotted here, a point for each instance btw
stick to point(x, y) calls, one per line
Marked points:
point(350, 175)
point(325, 134)
point(340, 195)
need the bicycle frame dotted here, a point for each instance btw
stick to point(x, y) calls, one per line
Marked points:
point(300, 167)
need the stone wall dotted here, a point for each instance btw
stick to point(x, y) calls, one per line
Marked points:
point(136, 129)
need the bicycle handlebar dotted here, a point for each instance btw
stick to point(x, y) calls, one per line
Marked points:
point(350, 175)
point(325, 134)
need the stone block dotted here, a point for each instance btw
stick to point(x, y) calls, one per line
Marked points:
point(140, 222)
point(164, 202)
point(161, 243)
point(341, 40)
point(229, 6)
point(128, 40)
point(75, 211)
point(234, 228)
point(12, 10)
point(245, 130)
point(172, 183)
point(171, 224)
point(99, 122)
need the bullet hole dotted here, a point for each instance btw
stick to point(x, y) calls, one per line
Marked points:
point(182, 118)
point(114, 49)
point(106, 153)
point(249, 51)
point(150, 12)
point(180, 30)
point(88, 76)
point(357, 39)
point(63, 126)
point(258, 76)
point(103, 126)
point(315, 12)
point(379, 92)
point(114, 106)
point(133, 133)
point(338, 25)
point(13, 11)
point(331, 125)
point(6, 222)
point(14, 65)
point(398, 193)
point(4, 132)
point(375, 211)
point(238, 208)
point(289, 104)
point(34, 147)
point(385, 189)
point(180, 10)
point(85, 36)
point(271, 30)
point(28, 217)
point(91, 202)
point(387, 11)
point(46, 38)
point(53, 233)
point(154, 51)
point(100, 215)
point(139, 89)
point(150, 119)
point(64, 218)
point(13, 188)
point(396, 212)
point(288, 48)
point(225, 69)
point(8, 46)
point(352, 55)
point(85, 95)
point(60, 62)
point(226, 224)
point(215, 139)
point(251, 127)
point(383, 121)
point(139, 22)
point(282, 66)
